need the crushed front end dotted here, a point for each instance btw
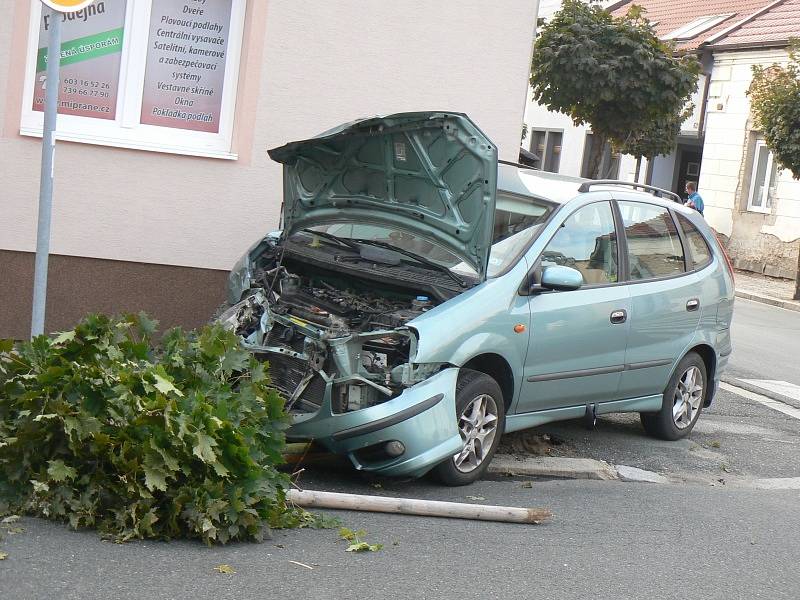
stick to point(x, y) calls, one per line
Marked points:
point(341, 354)
point(383, 219)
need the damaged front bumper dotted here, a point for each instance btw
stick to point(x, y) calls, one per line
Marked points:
point(358, 394)
point(422, 419)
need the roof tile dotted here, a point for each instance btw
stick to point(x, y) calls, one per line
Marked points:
point(773, 27)
point(669, 15)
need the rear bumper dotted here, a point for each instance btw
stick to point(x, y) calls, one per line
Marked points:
point(723, 350)
point(422, 418)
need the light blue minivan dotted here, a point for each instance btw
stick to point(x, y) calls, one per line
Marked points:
point(422, 298)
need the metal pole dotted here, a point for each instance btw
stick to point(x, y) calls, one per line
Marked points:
point(46, 178)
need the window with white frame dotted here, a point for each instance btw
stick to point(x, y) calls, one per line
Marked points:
point(696, 27)
point(763, 179)
point(148, 74)
point(546, 145)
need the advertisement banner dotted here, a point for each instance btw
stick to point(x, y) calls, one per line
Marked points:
point(185, 68)
point(90, 60)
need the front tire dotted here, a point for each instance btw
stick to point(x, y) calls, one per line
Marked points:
point(682, 402)
point(481, 420)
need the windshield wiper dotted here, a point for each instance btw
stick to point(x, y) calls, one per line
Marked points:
point(346, 242)
point(414, 256)
point(355, 244)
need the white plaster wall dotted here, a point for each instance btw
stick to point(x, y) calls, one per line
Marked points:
point(572, 143)
point(663, 170)
point(322, 63)
point(721, 175)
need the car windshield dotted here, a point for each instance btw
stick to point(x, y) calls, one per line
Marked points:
point(517, 221)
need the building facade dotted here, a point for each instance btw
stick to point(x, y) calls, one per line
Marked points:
point(751, 201)
point(167, 109)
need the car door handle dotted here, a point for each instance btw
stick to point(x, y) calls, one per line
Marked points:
point(693, 304)
point(619, 316)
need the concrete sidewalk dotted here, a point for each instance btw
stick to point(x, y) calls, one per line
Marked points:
point(768, 290)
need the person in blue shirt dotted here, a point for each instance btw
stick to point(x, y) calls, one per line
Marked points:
point(695, 201)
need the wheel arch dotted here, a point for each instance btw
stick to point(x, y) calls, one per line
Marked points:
point(709, 357)
point(498, 368)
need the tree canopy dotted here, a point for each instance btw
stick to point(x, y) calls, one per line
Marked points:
point(614, 74)
point(775, 102)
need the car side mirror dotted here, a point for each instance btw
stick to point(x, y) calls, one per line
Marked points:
point(561, 278)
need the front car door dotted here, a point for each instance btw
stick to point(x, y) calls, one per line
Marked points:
point(576, 349)
point(665, 298)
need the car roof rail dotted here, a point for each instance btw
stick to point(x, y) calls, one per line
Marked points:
point(661, 193)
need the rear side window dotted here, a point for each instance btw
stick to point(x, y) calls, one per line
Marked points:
point(698, 247)
point(654, 247)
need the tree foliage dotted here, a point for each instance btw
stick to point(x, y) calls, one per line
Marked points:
point(103, 427)
point(614, 74)
point(657, 137)
point(775, 102)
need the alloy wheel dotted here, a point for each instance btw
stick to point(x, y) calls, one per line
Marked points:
point(478, 427)
point(688, 397)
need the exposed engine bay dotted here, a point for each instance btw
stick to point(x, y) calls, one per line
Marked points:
point(330, 337)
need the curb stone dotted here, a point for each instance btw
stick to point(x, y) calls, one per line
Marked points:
point(787, 304)
point(551, 466)
point(627, 473)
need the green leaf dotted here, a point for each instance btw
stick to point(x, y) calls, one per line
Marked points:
point(203, 448)
point(364, 547)
point(235, 360)
point(220, 469)
point(165, 386)
point(227, 569)
point(40, 487)
point(155, 479)
point(38, 418)
point(58, 471)
point(64, 336)
point(146, 324)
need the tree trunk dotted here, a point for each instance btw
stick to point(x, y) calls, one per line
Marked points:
point(596, 155)
point(648, 174)
point(638, 168)
point(797, 279)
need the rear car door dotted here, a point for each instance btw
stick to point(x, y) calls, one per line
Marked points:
point(665, 297)
point(576, 349)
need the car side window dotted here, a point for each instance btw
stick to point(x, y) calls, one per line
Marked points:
point(586, 241)
point(698, 247)
point(654, 246)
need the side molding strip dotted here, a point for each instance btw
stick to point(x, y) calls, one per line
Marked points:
point(578, 373)
point(647, 364)
point(600, 370)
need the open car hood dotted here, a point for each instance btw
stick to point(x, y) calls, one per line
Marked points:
point(433, 174)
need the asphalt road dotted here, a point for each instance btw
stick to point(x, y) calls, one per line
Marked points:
point(710, 534)
point(766, 343)
point(608, 540)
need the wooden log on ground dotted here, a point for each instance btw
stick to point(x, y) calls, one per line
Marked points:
point(411, 506)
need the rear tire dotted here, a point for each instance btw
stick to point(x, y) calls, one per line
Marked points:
point(481, 420)
point(682, 402)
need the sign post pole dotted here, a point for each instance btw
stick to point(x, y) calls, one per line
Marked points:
point(46, 177)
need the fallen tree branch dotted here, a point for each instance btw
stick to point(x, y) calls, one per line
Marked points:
point(411, 506)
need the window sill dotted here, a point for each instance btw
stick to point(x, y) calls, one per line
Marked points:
point(760, 211)
point(133, 145)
